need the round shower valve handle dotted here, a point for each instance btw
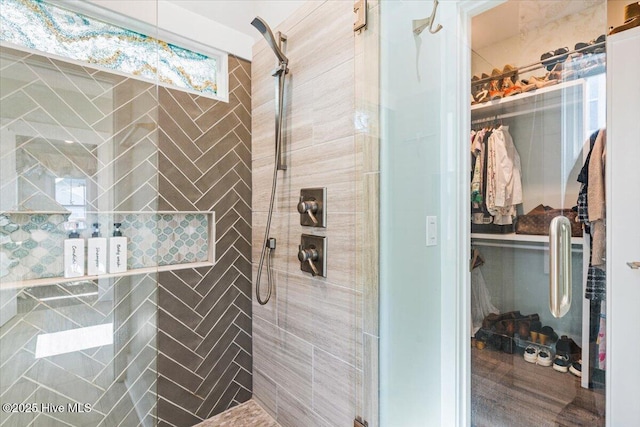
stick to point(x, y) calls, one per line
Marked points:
point(309, 255)
point(309, 207)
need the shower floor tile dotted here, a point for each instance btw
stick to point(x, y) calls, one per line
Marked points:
point(248, 414)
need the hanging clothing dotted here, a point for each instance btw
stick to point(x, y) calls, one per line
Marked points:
point(591, 212)
point(596, 199)
point(504, 181)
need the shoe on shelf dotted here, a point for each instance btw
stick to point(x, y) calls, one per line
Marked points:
point(511, 72)
point(561, 363)
point(527, 87)
point(495, 91)
point(509, 88)
point(541, 82)
point(544, 358)
point(531, 354)
point(576, 368)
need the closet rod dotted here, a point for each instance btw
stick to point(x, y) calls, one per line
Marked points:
point(539, 64)
point(514, 114)
point(544, 247)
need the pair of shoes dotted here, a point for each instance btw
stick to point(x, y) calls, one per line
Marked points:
point(531, 354)
point(479, 92)
point(541, 82)
point(592, 46)
point(540, 357)
point(544, 358)
point(568, 348)
point(551, 58)
point(561, 363)
point(576, 368)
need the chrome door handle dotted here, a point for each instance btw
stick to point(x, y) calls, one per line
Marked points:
point(560, 282)
point(634, 265)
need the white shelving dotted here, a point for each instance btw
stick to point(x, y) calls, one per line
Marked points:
point(554, 96)
point(54, 280)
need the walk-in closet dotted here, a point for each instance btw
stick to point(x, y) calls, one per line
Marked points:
point(538, 113)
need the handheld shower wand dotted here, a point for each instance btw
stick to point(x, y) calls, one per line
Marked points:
point(279, 73)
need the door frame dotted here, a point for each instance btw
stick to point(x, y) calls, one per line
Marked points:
point(456, 300)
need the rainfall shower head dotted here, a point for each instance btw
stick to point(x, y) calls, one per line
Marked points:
point(268, 35)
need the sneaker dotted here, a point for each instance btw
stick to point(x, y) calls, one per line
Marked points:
point(561, 363)
point(544, 358)
point(531, 354)
point(567, 346)
point(576, 368)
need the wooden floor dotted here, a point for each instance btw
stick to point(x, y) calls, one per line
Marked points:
point(507, 391)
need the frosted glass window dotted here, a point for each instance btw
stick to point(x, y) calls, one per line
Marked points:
point(44, 27)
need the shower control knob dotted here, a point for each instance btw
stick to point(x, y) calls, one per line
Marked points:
point(310, 207)
point(309, 255)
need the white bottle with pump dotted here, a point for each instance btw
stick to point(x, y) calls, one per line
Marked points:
point(96, 253)
point(73, 252)
point(117, 251)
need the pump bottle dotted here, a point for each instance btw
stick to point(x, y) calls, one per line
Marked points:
point(97, 252)
point(117, 251)
point(73, 252)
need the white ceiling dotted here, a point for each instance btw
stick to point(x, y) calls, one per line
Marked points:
point(238, 14)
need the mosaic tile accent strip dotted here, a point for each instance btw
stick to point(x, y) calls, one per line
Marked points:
point(31, 245)
point(51, 29)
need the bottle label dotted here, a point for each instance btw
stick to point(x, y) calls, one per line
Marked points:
point(118, 252)
point(74, 258)
point(97, 258)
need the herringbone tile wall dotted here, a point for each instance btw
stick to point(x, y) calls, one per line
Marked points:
point(204, 323)
point(140, 147)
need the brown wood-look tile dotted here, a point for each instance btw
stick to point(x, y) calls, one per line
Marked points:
point(294, 356)
point(172, 195)
point(177, 135)
point(217, 131)
point(292, 412)
point(175, 176)
point(212, 114)
point(177, 373)
point(335, 387)
point(186, 101)
point(325, 315)
point(175, 415)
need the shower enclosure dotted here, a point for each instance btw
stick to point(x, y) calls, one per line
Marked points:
point(85, 145)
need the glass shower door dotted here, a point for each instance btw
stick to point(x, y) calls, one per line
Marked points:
point(79, 350)
point(444, 358)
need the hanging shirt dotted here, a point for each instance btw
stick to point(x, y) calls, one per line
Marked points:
point(504, 179)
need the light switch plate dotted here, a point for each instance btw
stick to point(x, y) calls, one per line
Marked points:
point(432, 231)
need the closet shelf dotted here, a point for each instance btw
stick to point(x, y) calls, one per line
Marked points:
point(520, 240)
point(146, 270)
point(561, 94)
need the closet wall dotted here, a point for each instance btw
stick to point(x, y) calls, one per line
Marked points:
point(539, 28)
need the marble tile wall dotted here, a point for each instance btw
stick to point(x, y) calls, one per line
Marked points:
point(309, 339)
